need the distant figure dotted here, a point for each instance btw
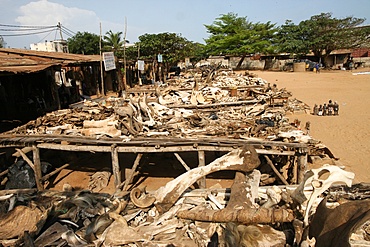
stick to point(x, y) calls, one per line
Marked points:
point(315, 110)
point(307, 127)
point(317, 67)
point(324, 110)
point(336, 108)
point(330, 108)
point(320, 110)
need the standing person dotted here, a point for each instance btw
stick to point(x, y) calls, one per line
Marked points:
point(330, 108)
point(307, 127)
point(320, 111)
point(336, 108)
point(315, 110)
point(324, 110)
point(317, 67)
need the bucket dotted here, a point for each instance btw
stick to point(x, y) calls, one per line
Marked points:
point(233, 92)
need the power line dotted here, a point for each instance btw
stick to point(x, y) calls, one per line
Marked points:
point(24, 34)
point(23, 26)
point(46, 36)
point(22, 30)
point(63, 27)
point(68, 33)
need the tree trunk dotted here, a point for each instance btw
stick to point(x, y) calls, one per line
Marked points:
point(240, 62)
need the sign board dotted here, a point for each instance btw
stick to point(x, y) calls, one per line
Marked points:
point(109, 61)
point(160, 58)
point(140, 64)
point(187, 61)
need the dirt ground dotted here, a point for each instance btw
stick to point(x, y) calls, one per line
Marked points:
point(346, 135)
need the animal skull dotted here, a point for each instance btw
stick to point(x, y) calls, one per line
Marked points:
point(321, 179)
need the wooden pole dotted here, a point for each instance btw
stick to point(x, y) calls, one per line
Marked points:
point(182, 161)
point(101, 63)
point(115, 167)
point(37, 164)
point(202, 162)
point(46, 177)
point(269, 162)
point(131, 176)
point(124, 57)
point(302, 166)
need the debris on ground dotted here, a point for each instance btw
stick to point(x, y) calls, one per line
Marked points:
point(267, 204)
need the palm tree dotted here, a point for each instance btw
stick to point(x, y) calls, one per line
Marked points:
point(113, 41)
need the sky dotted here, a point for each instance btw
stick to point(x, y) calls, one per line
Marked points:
point(186, 17)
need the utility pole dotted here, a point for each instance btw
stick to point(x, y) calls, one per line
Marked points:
point(101, 65)
point(138, 71)
point(124, 56)
point(60, 30)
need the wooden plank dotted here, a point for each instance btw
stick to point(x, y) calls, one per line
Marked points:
point(115, 167)
point(85, 148)
point(202, 162)
point(37, 163)
point(150, 149)
point(142, 141)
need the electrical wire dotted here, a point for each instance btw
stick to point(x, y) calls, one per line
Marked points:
point(24, 34)
point(67, 33)
point(47, 35)
point(63, 27)
point(19, 26)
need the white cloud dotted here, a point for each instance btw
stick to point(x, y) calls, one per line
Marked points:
point(48, 13)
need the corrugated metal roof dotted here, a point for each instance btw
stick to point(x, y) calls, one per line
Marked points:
point(27, 61)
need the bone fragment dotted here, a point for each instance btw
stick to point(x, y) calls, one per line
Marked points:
point(242, 160)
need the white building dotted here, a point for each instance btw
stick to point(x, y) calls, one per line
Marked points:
point(51, 46)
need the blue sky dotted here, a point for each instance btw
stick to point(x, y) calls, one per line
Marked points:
point(186, 17)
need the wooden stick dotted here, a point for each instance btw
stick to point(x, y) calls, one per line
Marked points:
point(115, 167)
point(130, 178)
point(4, 173)
point(16, 191)
point(302, 166)
point(202, 162)
point(182, 161)
point(24, 150)
point(275, 170)
point(24, 156)
point(46, 177)
point(37, 163)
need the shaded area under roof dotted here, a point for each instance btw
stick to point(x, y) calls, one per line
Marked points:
point(27, 61)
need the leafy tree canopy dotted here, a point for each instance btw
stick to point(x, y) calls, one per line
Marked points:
point(233, 35)
point(84, 43)
point(114, 42)
point(172, 46)
point(322, 34)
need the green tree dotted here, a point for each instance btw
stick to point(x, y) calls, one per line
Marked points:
point(114, 42)
point(233, 35)
point(172, 46)
point(84, 43)
point(197, 52)
point(292, 38)
point(322, 34)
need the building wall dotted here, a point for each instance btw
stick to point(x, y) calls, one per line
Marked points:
point(51, 46)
